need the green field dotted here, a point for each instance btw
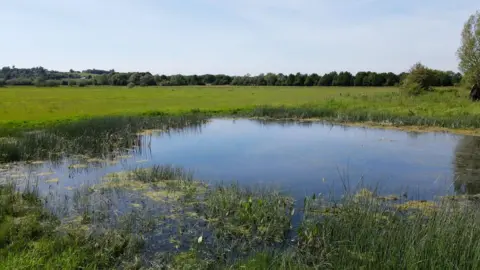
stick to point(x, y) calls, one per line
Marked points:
point(38, 104)
point(448, 108)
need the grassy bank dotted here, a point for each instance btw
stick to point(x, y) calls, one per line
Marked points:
point(96, 137)
point(229, 227)
point(445, 108)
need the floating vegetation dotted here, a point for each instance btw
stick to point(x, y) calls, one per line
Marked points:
point(54, 180)
point(150, 132)
point(95, 160)
point(45, 173)
point(78, 166)
point(124, 156)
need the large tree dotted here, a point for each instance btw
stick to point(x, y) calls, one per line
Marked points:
point(469, 51)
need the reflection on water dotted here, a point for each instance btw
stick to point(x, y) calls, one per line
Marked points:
point(299, 158)
point(467, 165)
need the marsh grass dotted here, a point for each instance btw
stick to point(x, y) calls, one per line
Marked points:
point(232, 227)
point(367, 231)
point(162, 173)
point(96, 137)
point(30, 238)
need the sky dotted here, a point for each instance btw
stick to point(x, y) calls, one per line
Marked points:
point(234, 37)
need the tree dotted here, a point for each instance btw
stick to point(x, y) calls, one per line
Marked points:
point(299, 79)
point(82, 83)
point(52, 83)
point(328, 79)
point(312, 79)
point(72, 83)
point(147, 80)
point(135, 78)
point(271, 79)
point(101, 79)
point(39, 82)
point(469, 51)
point(290, 80)
point(359, 77)
point(178, 79)
point(419, 80)
point(2, 83)
point(343, 79)
point(209, 79)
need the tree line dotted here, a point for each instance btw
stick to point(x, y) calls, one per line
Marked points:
point(40, 76)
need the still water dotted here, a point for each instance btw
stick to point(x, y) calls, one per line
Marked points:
point(297, 158)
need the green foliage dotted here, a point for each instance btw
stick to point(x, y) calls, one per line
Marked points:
point(39, 82)
point(31, 238)
point(130, 85)
point(82, 83)
point(103, 77)
point(251, 216)
point(52, 83)
point(2, 83)
point(72, 82)
point(420, 79)
point(469, 51)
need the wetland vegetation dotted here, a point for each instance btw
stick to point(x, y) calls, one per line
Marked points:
point(162, 217)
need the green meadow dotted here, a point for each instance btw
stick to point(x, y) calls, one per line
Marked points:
point(445, 107)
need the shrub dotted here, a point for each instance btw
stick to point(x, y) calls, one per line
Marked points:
point(39, 82)
point(72, 83)
point(52, 83)
point(82, 83)
point(2, 83)
point(19, 82)
point(130, 85)
point(419, 80)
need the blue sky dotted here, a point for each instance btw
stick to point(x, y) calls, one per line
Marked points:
point(233, 36)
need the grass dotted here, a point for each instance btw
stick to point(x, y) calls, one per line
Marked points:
point(30, 238)
point(447, 108)
point(232, 227)
point(365, 231)
point(44, 104)
point(161, 217)
point(96, 137)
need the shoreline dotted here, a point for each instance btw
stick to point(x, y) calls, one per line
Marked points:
point(15, 126)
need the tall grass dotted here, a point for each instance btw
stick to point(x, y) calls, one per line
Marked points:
point(96, 137)
point(365, 231)
point(233, 227)
point(30, 238)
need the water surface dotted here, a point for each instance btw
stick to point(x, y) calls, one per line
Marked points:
point(298, 158)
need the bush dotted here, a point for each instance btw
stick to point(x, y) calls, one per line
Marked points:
point(2, 83)
point(130, 85)
point(52, 83)
point(72, 83)
point(19, 82)
point(419, 80)
point(82, 83)
point(39, 82)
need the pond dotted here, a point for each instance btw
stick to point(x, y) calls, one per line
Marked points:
point(297, 158)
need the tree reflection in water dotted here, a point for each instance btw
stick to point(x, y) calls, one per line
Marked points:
point(467, 166)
